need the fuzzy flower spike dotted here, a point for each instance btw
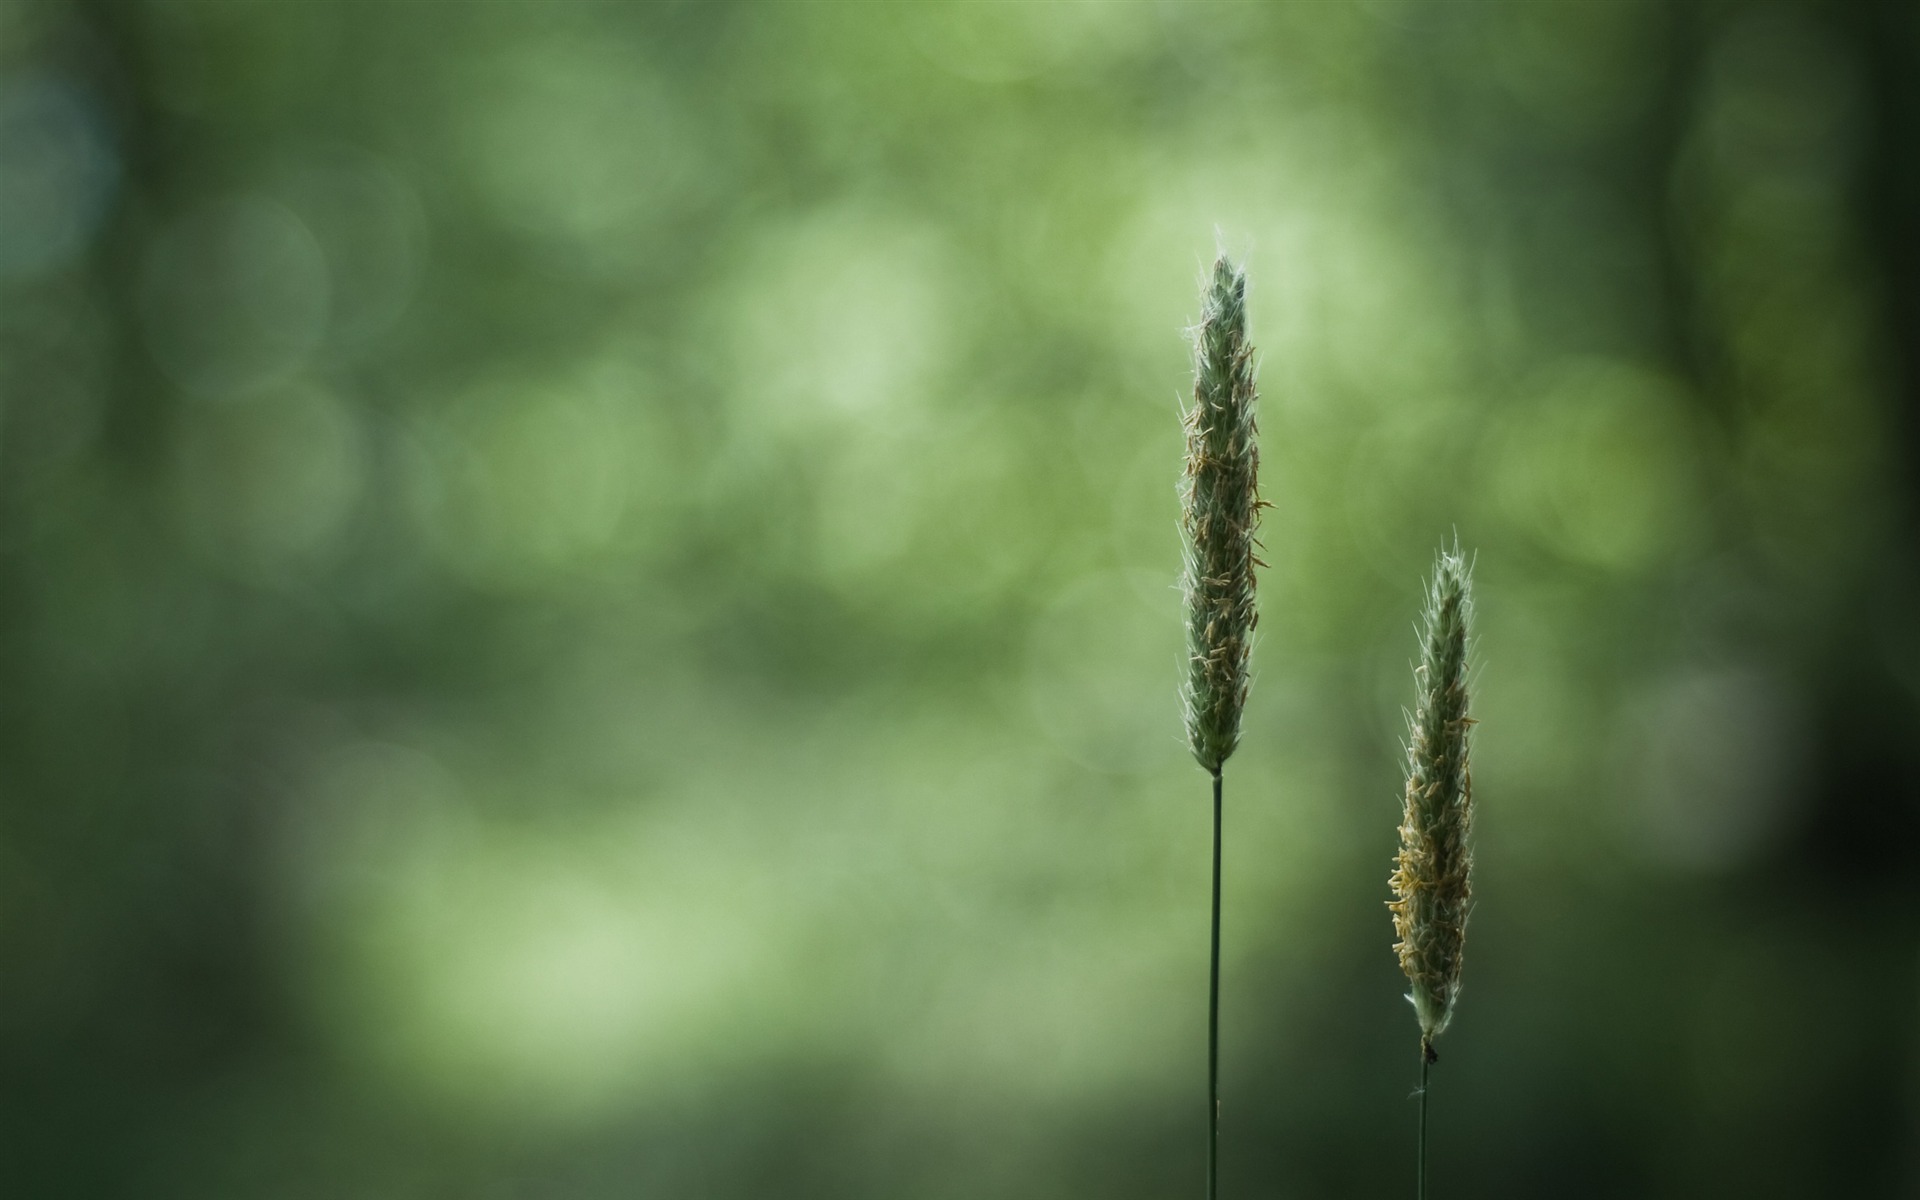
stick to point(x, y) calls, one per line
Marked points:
point(1433, 875)
point(1221, 507)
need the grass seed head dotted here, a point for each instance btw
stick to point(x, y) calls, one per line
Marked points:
point(1433, 874)
point(1220, 510)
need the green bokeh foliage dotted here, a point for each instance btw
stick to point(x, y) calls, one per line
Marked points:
point(589, 595)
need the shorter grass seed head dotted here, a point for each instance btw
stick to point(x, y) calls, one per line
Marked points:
point(1433, 874)
point(1220, 506)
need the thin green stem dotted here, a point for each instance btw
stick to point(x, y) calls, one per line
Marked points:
point(1426, 1060)
point(1213, 1015)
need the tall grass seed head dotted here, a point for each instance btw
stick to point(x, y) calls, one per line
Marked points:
point(1433, 874)
point(1220, 510)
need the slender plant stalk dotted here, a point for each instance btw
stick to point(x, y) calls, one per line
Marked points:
point(1220, 510)
point(1213, 1014)
point(1433, 873)
point(1426, 1060)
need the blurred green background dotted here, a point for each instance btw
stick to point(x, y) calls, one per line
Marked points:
point(586, 595)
